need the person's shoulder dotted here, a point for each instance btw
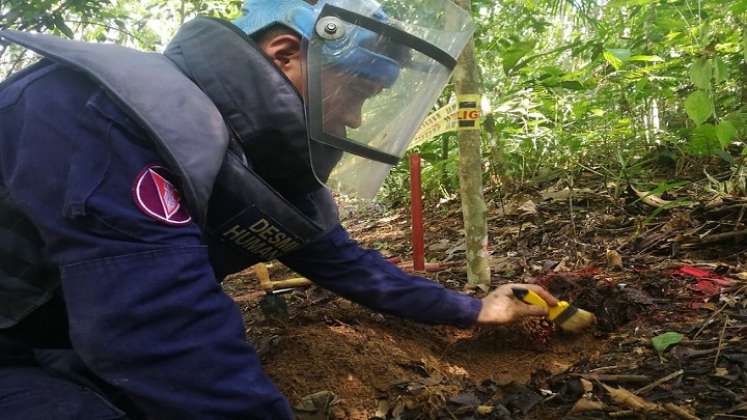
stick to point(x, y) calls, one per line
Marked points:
point(62, 96)
point(46, 82)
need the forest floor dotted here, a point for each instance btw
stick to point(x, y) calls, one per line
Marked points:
point(667, 289)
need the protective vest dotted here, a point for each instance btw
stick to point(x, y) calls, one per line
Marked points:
point(225, 121)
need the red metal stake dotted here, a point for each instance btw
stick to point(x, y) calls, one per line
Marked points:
point(416, 198)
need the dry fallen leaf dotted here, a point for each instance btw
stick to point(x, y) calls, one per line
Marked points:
point(710, 306)
point(382, 408)
point(504, 264)
point(583, 405)
point(721, 371)
point(626, 398)
point(484, 410)
point(528, 208)
point(561, 267)
point(614, 260)
point(441, 245)
point(587, 385)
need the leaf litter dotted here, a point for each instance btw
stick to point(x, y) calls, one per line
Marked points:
point(668, 293)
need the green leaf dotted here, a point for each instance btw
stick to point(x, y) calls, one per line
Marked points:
point(704, 141)
point(647, 58)
point(701, 73)
point(739, 7)
point(726, 156)
point(662, 342)
point(699, 107)
point(720, 70)
point(572, 85)
point(516, 52)
point(621, 53)
point(615, 62)
point(59, 24)
point(739, 120)
point(705, 34)
point(670, 24)
point(616, 56)
point(726, 132)
point(666, 186)
point(673, 35)
point(680, 202)
point(580, 108)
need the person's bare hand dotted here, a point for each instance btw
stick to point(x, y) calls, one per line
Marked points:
point(501, 307)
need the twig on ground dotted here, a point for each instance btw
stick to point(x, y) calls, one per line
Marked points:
point(590, 169)
point(624, 398)
point(718, 237)
point(679, 411)
point(710, 318)
point(603, 368)
point(739, 219)
point(716, 225)
point(570, 208)
point(450, 414)
point(614, 378)
point(720, 342)
point(708, 321)
point(658, 382)
point(622, 413)
point(722, 209)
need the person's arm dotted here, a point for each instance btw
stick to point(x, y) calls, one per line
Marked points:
point(145, 311)
point(338, 263)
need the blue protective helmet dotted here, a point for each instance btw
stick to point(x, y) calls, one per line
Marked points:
point(353, 53)
point(299, 15)
point(295, 14)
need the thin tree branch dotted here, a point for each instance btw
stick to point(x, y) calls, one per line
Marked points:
point(5, 48)
point(20, 60)
point(527, 60)
point(104, 25)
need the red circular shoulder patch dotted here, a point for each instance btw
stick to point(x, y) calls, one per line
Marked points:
point(158, 198)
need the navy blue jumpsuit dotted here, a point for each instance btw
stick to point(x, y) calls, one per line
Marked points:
point(140, 304)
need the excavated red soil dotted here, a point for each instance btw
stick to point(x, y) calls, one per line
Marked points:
point(361, 356)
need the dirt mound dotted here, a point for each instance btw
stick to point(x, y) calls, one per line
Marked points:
point(372, 361)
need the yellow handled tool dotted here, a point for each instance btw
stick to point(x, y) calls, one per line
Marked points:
point(567, 316)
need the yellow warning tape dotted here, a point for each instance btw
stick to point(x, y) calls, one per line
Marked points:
point(439, 122)
point(464, 114)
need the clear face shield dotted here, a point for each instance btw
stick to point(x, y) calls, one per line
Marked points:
point(372, 80)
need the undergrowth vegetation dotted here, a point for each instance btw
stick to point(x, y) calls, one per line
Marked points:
point(647, 93)
point(651, 93)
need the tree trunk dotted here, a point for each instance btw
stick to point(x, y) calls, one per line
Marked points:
point(743, 67)
point(474, 210)
point(444, 158)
